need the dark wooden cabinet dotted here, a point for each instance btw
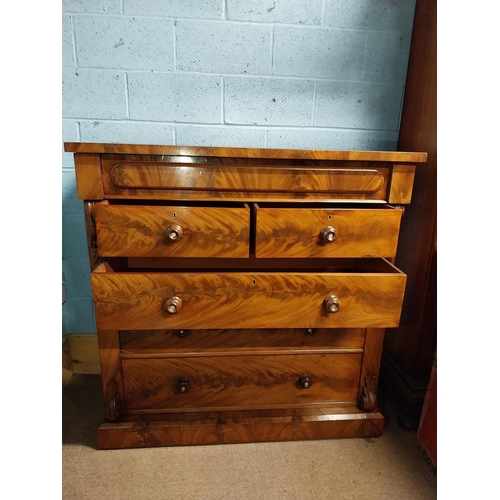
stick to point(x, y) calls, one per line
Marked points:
point(409, 349)
point(241, 295)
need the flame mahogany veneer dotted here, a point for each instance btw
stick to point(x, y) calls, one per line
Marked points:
point(241, 295)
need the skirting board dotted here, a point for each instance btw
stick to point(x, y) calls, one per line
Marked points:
point(80, 355)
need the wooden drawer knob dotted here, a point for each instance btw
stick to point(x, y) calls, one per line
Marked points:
point(305, 381)
point(173, 305)
point(183, 386)
point(331, 304)
point(328, 234)
point(174, 232)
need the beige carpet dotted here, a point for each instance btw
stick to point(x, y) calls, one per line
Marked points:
point(386, 468)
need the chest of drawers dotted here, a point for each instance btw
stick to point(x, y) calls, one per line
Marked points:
point(241, 295)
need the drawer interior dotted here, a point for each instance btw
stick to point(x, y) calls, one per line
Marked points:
point(251, 265)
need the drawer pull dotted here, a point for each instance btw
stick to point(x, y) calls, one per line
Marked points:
point(310, 331)
point(173, 305)
point(328, 234)
point(331, 304)
point(183, 386)
point(305, 381)
point(174, 232)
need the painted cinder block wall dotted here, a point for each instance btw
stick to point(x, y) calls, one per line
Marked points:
point(320, 74)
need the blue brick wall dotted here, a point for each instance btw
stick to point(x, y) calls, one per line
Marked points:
point(320, 74)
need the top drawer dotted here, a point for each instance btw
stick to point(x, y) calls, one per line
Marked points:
point(233, 180)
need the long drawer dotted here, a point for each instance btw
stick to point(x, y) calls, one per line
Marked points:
point(368, 294)
point(232, 179)
point(225, 382)
point(168, 343)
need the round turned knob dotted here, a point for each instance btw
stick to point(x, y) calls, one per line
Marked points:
point(310, 331)
point(328, 234)
point(182, 333)
point(331, 304)
point(173, 305)
point(183, 385)
point(174, 232)
point(305, 381)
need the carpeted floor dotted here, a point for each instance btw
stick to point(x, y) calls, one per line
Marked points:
point(386, 468)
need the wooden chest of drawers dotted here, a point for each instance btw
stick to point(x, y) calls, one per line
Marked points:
point(241, 295)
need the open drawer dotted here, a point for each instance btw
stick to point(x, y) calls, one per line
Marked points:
point(357, 293)
point(162, 230)
point(326, 231)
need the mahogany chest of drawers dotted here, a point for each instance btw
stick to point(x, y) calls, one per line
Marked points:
point(241, 295)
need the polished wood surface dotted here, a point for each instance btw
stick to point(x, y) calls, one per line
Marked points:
point(238, 178)
point(247, 300)
point(252, 280)
point(143, 149)
point(239, 382)
point(180, 429)
point(111, 374)
point(297, 232)
point(89, 184)
point(140, 231)
point(401, 184)
point(162, 343)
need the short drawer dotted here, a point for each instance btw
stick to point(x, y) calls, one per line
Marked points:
point(172, 231)
point(183, 342)
point(326, 232)
point(368, 294)
point(238, 382)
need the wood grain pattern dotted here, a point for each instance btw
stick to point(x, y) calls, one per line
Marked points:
point(111, 374)
point(159, 179)
point(246, 300)
point(246, 282)
point(239, 382)
point(372, 355)
point(241, 178)
point(296, 232)
point(144, 343)
point(88, 177)
point(143, 149)
point(401, 184)
point(240, 427)
point(139, 231)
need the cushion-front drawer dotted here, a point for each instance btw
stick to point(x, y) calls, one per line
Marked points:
point(239, 381)
point(172, 231)
point(369, 295)
point(327, 232)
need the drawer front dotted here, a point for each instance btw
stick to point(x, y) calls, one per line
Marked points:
point(236, 181)
point(200, 342)
point(239, 381)
point(160, 231)
point(323, 232)
point(162, 300)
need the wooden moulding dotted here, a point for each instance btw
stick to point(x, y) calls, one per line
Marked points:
point(143, 149)
point(240, 427)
